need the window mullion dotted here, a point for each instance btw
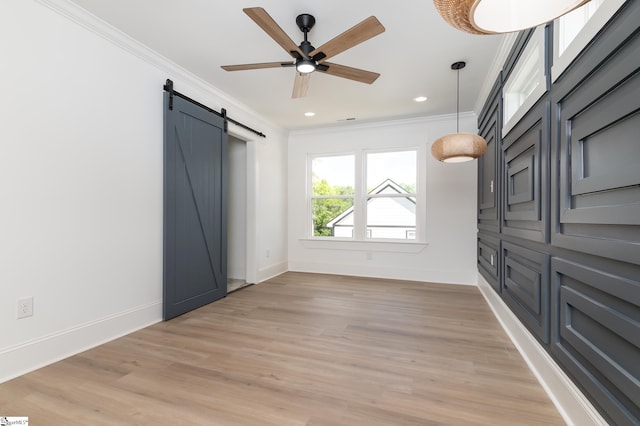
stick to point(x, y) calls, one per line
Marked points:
point(360, 202)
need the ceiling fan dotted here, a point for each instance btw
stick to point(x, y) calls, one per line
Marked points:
point(308, 58)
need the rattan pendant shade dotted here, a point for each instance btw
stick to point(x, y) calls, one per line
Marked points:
point(458, 147)
point(502, 16)
point(457, 13)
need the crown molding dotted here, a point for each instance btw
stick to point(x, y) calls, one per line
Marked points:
point(496, 66)
point(351, 126)
point(103, 29)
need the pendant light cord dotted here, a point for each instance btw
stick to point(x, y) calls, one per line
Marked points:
point(458, 104)
point(458, 66)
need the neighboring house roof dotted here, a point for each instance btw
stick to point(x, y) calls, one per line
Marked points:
point(396, 211)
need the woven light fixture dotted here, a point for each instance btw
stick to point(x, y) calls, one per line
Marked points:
point(458, 147)
point(457, 13)
point(502, 16)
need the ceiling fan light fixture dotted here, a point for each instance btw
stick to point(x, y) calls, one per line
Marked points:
point(305, 66)
point(458, 147)
point(502, 16)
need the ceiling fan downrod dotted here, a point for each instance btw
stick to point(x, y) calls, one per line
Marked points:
point(306, 22)
point(306, 64)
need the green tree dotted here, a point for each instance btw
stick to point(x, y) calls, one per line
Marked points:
point(326, 209)
point(409, 187)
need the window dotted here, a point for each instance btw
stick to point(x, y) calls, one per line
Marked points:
point(391, 194)
point(381, 205)
point(332, 194)
point(573, 31)
point(526, 83)
point(571, 24)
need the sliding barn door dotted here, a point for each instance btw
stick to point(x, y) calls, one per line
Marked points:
point(195, 207)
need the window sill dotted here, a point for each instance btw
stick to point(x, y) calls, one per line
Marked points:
point(378, 246)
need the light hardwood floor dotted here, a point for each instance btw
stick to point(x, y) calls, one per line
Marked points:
point(300, 349)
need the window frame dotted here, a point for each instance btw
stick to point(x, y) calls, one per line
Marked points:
point(591, 27)
point(368, 196)
point(311, 197)
point(360, 229)
point(535, 42)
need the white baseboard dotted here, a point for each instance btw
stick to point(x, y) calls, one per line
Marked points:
point(573, 406)
point(29, 356)
point(385, 272)
point(272, 271)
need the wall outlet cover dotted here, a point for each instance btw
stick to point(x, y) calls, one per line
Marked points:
point(25, 307)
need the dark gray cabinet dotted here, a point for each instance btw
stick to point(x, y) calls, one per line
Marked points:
point(596, 121)
point(596, 334)
point(524, 175)
point(490, 127)
point(489, 259)
point(559, 238)
point(525, 287)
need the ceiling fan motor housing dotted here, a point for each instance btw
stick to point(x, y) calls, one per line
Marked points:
point(306, 48)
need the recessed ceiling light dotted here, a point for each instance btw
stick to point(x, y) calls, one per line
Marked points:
point(420, 99)
point(309, 114)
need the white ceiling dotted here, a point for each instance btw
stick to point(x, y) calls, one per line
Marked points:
point(413, 55)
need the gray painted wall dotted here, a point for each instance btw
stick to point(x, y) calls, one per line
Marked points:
point(559, 238)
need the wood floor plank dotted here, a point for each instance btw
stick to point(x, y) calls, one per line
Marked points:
point(300, 349)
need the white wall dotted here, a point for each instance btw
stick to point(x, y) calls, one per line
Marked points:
point(81, 181)
point(271, 213)
point(450, 250)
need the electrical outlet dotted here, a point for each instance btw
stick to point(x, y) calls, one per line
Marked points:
point(267, 253)
point(25, 307)
point(369, 255)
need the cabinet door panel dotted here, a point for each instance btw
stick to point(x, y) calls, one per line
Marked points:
point(596, 120)
point(525, 194)
point(489, 124)
point(489, 259)
point(596, 334)
point(525, 287)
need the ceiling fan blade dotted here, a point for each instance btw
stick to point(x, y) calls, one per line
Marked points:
point(256, 66)
point(363, 31)
point(266, 22)
point(300, 85)
point(347, 72)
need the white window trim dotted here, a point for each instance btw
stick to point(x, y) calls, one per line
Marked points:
point(360, 205)
point(388, 246)
point(601, 16)
point(366, 196)
point(535, 42)
point(310, 197)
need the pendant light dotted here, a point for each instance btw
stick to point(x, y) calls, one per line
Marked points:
point(502, 16)
point(458, 147)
